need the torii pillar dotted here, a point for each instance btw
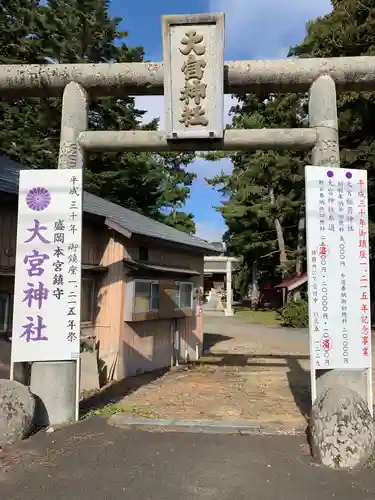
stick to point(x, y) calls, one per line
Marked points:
point(229, 307)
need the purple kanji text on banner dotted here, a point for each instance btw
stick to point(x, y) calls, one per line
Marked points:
point(46, 318)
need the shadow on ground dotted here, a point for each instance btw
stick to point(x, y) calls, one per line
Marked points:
point(211, 339)
point(116, 391)
point(300, 385)
point(298, 377)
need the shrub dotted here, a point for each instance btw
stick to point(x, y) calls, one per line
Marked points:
point(295, 314)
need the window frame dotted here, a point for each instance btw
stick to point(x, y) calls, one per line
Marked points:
point(4, 327)
point(151, 296)
point(92, 299)
point(143, 252)
point(178, 284)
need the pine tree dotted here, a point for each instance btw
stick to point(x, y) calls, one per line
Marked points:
point(72, 31)
point(176, 189)
point(349, 31)
point(18, 20)
point(265, 191)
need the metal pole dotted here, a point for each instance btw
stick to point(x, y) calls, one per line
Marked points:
point(323, 118)
point(56, 383)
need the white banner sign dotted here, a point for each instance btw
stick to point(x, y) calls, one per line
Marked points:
point(338, 268)
point(46, 320)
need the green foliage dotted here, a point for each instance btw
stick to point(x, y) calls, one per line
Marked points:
point(176, 178)
point(249, 212)
point(349, 30)
point(111, 409)
point(263, 196)
point(295, 314)
point(179, 220)
point(18, 18)
point(267, 317)
point(75, 31)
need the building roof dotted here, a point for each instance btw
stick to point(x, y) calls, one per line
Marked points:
point(127, 219)
point(136, 265)
point(219, 246)
point(293, 283)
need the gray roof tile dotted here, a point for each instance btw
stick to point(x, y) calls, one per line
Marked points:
point(132, 221)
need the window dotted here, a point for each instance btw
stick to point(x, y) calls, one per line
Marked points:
point(176, 295)
point(87, 299)
point(146, 296)
point(143, 253)
point(183, 296)
point(155, 296)
point(4, 312)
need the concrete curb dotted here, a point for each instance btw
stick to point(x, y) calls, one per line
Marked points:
point(231, 427)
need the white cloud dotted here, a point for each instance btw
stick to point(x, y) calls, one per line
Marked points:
point(264, 29)
point(207, 169)
point(208, 232)
point(154, 105)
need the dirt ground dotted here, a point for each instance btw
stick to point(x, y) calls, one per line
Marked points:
point(211, 391)
point(248, 372)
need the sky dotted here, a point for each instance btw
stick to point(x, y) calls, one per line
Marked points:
point(254, 29)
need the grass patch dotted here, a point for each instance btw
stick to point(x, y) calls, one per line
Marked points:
point(203, 365)
point(258, 316)
point(114, 408)
point(106, 411)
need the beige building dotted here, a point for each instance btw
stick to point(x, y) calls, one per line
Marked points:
point(141, 284)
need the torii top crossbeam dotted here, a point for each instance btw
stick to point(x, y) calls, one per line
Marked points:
point(285, 75)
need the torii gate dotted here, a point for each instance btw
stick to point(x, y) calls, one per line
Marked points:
point(320, 77)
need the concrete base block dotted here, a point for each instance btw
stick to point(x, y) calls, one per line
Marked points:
point(54, 385)
point(89, 371)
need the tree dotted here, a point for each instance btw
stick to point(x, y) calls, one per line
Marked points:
point(74, 31)
point(175, 190)
point(18, 19)
point(180, 220)
point(349, 30)
point(346, 31)
point(265, 190)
